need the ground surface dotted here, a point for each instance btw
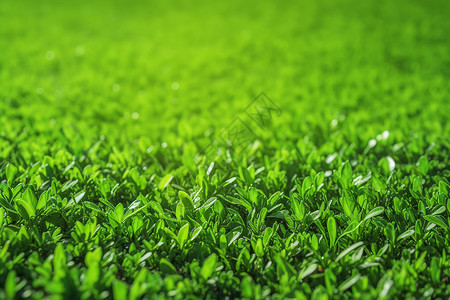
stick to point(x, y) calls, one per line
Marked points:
point(137, 160)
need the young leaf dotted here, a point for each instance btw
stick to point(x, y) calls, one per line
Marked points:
point(405, 234)
point(186, 200)
point(307, 271)
point(349, 282)
point(132, 210)
point(378, 184)
point(209, 266)
point(42, 201)
point(166, 267)
point(267, 235)
point(234, 235)
point(93, 206)
point(195, 233)
point(208, 203)
point(30, 197)
point(59, 258)
point(332, 230)
point(435, 270)
point(165, 182)
point(389, 232)
point(156, 206)
point(10, 285)
point(423, 165)
point(436, 220)
point(11, 172)
point(120, 290)
point(346, 175)
point(119, 211)
point(374, 212)
point(258, 248)
point(349, 249)
point(296, 209)
point(183, 235)
point(25, 209)
point(105, 188)
point(179, 211)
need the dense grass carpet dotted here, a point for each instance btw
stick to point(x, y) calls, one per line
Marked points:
point(224, 149)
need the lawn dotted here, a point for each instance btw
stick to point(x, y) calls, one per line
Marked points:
point(221, 150)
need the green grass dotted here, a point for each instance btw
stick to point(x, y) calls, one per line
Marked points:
point(116, 181)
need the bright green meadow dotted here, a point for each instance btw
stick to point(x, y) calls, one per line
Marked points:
point(231, 149)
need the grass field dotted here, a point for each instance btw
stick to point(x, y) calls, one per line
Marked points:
point(221, 150)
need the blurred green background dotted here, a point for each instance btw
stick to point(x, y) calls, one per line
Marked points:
point(177, 70)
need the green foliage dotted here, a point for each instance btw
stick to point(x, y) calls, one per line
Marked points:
point(118, 178)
